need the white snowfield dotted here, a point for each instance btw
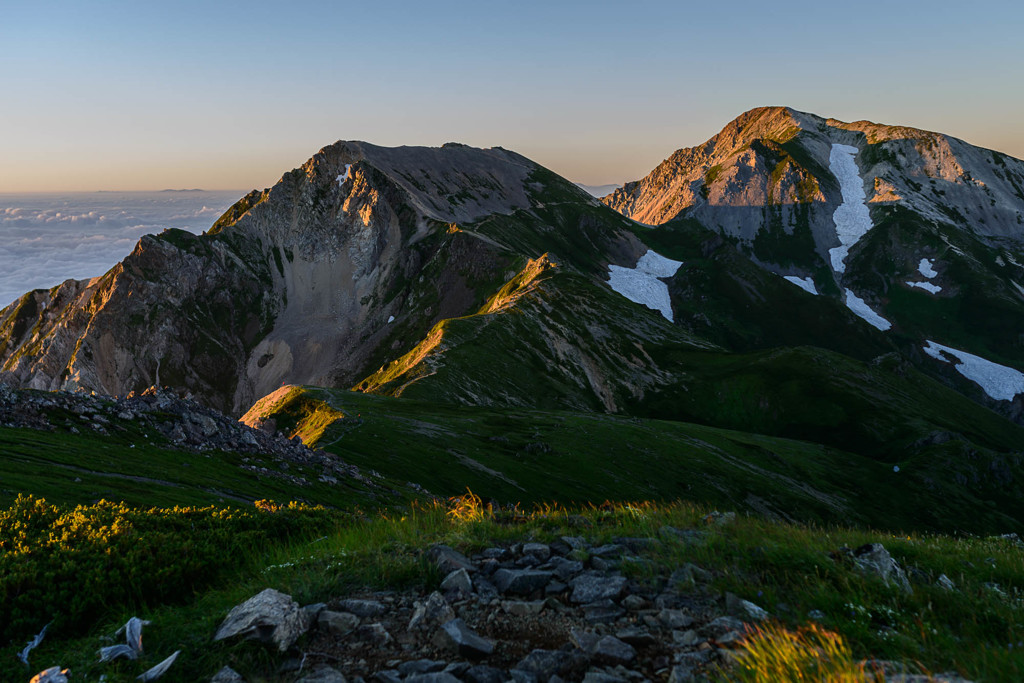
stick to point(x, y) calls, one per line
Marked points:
point(852, 218)
point(860, 307)
point(926, 269)
point(806, 283)
point(342, 177)
point(927, 286)
point(641, 284)
point(998, 381)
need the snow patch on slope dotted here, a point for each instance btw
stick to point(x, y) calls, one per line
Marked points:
point(998, 381)
point(926, 269)
point(927, 286)
point(860, 307)
point(342, 177)
point(852, 218)
point(641, 284)
point(806, 283)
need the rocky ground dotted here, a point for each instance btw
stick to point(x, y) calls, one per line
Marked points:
point(181, 423)
point(527, 612)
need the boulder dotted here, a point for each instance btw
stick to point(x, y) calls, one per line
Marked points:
point(544, 664)
point(54, 674)
point(521, 581)
point(432, 611)
point(611, 650)
point(337, 623)
point(449, 560)
point(587, 588)
point(458, 582)
point(873, 559)
point(465, 640)
point(363, 608)
point(269, 617)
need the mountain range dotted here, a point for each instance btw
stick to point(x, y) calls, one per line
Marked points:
point(833, 296)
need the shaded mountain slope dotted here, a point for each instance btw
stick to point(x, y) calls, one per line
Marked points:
point(523, 455)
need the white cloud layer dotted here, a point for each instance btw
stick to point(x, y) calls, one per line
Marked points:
point(48, 238)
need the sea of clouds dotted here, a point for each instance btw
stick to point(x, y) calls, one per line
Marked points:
point(48, 238)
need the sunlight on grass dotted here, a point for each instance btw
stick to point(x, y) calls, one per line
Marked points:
point(775, 654)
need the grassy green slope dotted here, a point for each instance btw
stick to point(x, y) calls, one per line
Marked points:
point(520, 455)
point(144, 470)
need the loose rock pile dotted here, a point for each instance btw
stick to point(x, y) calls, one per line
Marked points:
point(181, 422)
point(529, 612)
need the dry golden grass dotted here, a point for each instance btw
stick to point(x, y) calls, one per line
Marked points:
point(775, 654)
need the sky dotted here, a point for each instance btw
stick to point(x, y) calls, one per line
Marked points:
point(229, 95)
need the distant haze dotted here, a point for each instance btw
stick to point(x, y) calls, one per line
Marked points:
point(133, 96)
point(48, 238)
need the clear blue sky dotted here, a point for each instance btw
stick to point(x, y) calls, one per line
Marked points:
point(146, 95)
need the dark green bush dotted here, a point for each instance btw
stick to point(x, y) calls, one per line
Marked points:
point(72, 565)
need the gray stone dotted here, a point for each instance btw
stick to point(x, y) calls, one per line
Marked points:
point(431, 612)
point(681, 674)
point(674, 618)
point(520, 608)
point(458, 581)
point(634, 603)
point(574, 542)
point(449, 560)
point(386, 676)
point(874, 559)
point(337, 623)
point(604, 565)
point(584, 640)
point(466, 640)
point(484, 674)
point(945, 583)
point(457, 669)
point(689, 574)
point(521, 581)
point(420, 666)
point(721, 626)
point(730, 639)
point(540, 551)
point(485, 590)
point(687, 638)
point(639, 545)
point(598, 676)
point(602, 611)
point(270, 617)
point(547, 663)
point(374, 634)
point(566, 569)
point(555, 588)
point(637, 637)
point(496, 554)
point(611, 650)
point(744, 609)
point(518, 676)
point(815, 615)
point(323, 674)
point(437, 677)
point(313, 611)
point(587, 588)
point(227, 675)
point(363, 608)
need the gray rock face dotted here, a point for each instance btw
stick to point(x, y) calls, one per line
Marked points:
point(270, 617)
point(458, 581)
point(54, 674)
point(282, 287)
